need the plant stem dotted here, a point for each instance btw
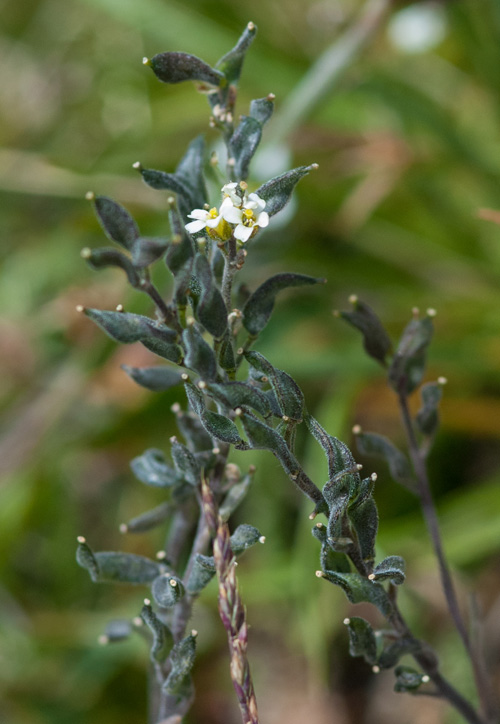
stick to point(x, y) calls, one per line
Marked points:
point(431, 519)
point(229, 271)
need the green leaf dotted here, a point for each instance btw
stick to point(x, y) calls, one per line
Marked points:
point(182, 659)
point(191, 428)
point(262, 437)
point(147, 249)
point(174, 67)
point(243, 144)
point(408, 680)
point(156, 379)
point(262, 109)
point(86, 559)
point(185, 462)
point(330, 560)
point(148, 520)
point(201, 573)
point(288, 394)
point(226, 356)
point(117, 223)
point(276, 192)
point(216, 425)
point(190, 171)
point(392, 567)
point(376, 341)
point(359, 589)
point(231, 63)
point(370, 443)
point(259, 307)
point(237, 394)
point(106, 257)
point(408, 364)
point(362, 641)
point(167, 590)
point(234, 497)
point(180, 255)
point(427, 418)
point(152, 469)
point(199, 355)
point(162, 636)
point(396, 650)
point(244, 537)
point(211, 310)
point(113, 567)
point(339, 456)
point(163, 181)
point(364, 520)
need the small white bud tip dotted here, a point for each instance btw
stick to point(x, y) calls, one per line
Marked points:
point(80, 308)
point(376, 669)
point(194, 633)
point(319, 574)
point(172, 439)
point(431, 312)
point(251, 469)
point(353, 299)
point(146, 61)
point(184, 377)
point(147, 602)
point(262, 539)
point(161, 555)
point(86, 253)
point(81, 539)
point(251, 26)
point(238, 411)
point(371, 577)
point(271, 97)
point(312, 515)
point(374, 477)
point(215, 451)
point(442, 381)
point(90, 196)
point(137, 621)
point(190, 321)
point(346, 621)
point(319, 526)
point(359, 466)
point(176, 408)
point(123, 528)
point(425, 679)
point(314, 166)
point(240, 350)
point(137, 165)
point(285, 418)
point(103, 640)
point(173, 582)
point(202, 385)
point(357, 430)
point(120, 308)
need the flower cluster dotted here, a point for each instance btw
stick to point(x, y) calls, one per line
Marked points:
point(239, 215)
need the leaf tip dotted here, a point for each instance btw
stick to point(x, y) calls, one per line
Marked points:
point(90, 196)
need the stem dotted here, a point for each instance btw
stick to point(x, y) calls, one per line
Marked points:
point(431, 519)
point(167, 315)
point(228, 274)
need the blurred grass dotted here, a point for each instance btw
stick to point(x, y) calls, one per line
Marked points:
point(408, 152)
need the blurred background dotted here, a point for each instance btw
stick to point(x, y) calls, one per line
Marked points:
point(400, 212)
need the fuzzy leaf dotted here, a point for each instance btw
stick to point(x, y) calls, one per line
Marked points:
point(149, 520)
point(117, 223)
point(211, 310)
point(177, 67)
point(162, 636)
point(216, 425)
point(234, 497)
point(396, 650)
point(156, 379)
point(262, 109)
point(231, 63)
point(185, 463)
point(86, 559)
point(376, 341)
point(190, 171)
point(392, 567)
point(163, 181)
point(226, 356)
point(167, 590)
point(244, 537)
point(408, 364)
point(113, 567)
point(370, 443)
point(362, 640)
point(260, 305)
point(427, 418)
point(364, 519)
point(105, 257)
point(236, 394)
point(243, 144)
point(192, 430)
point(359, 589)
point(148, 249)
point(180, 255)
point(408, 680)
point(199, 355)
point(182, 660)
point(339, 456)
point(201, 573)
point(288, 394)
point(152, 469)
point(276, 192)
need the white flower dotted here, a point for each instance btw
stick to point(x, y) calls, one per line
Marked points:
point(229, 190)
point(204, 219)
point(247, 218)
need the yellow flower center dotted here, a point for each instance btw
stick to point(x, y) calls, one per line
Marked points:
point(247, 217)
point(213, 213)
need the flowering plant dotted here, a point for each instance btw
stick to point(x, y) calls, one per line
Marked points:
point(237, 398)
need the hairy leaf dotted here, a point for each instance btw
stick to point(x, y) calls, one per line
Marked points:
point(174, 67)
point(117, 223)
point(376, 341)
point(277, 192)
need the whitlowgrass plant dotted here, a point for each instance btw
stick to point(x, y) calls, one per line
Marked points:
point(206, 333)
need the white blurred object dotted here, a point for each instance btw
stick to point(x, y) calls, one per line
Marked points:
point(418, 28)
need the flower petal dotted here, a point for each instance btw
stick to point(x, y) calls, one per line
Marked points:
point(212, 223)
point(262, 219)
point(243, 233)
point(195, 226)
point(198, 214)
point(231, 214)
point(255, 203)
